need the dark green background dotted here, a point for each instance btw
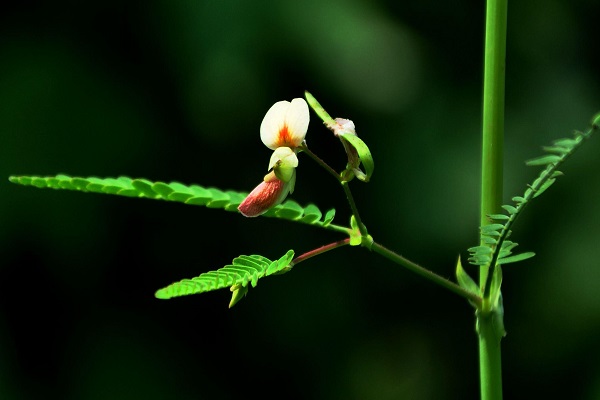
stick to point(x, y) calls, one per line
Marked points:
point(176, 91)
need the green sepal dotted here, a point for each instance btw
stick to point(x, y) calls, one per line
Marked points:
point(284, 173)
point(318, 109)
point(364, 155)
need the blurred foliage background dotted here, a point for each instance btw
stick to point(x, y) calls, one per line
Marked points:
point(176, 91)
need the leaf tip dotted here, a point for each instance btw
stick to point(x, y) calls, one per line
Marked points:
point(239, 292)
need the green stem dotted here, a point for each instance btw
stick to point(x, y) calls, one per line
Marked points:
point(491, 185)
point(349, 197)
point(322, 163)
point(336, 228)
point(398, 259)
point(493, 111)
point(490, 362)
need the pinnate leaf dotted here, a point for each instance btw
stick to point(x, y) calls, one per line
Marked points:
point(242, 271)
point(175, 191)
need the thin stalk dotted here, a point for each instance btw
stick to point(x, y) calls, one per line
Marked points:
point(349, 197)
point(336, 228)
point(490, 365)
point(322, 163)
point(320, 250)
point(453, 287)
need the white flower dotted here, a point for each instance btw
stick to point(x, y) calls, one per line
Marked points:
point(283, 129)
point(285, 124)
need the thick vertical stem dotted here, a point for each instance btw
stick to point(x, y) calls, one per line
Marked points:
point(493, 109)
point(491, 185)
point(490, 362)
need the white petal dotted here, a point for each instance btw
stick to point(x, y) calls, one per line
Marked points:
point(287, 157)
point(297, 118)
point(273, 121)
point(285, 124)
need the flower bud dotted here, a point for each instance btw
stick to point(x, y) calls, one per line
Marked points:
point(342, 126)
point(268, 194)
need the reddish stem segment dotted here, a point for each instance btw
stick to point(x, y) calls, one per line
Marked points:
point(320, 250)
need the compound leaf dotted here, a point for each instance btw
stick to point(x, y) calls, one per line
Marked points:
point(242, 271)
point(178, 192)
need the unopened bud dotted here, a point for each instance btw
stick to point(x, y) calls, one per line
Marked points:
point(342, 126)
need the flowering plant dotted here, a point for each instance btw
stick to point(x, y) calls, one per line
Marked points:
point(283, 130)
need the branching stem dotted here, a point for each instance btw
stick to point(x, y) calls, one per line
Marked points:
point(398, 259)
point(347, 191)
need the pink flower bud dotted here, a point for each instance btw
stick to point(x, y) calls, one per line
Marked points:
point(269, 193)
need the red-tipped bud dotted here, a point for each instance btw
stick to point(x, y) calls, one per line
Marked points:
point(269, 193)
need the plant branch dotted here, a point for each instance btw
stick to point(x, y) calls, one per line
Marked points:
point(337, 228)
point(453, 287)
point(349, 197)
point(320, 250)
point(322, 163)
point(533, 191)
